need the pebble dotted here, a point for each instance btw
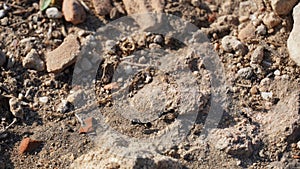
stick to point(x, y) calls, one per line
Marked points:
point(2, 13)
point(283, 7)
point(16, 108)
point(257, 55)
point(63, 106)
point(88, 126)
point(33, 61)
point(231, 43)
point(266, 95)
point(3, 58)
point(298, 144)
point(158, 39)
point(60, 58)
point(196, 3)
point(145, 7)
point(246, 72)
point(247, 33)
point(261, 30)
point(75, 96)
point(73, 11)
point(114, 13)
point(53, 13)
point(264, 84)
point(253, 90)
point(43, 99)
point(28, 145)
point(102, 7)
point(277, 72)
point(293, 41)
point(271, 20)
point(4, 21)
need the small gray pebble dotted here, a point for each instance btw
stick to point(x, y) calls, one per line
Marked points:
point(246, 72)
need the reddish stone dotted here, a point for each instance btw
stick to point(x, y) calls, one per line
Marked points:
point(73, 11)
point(89, 126)
point(28, 145)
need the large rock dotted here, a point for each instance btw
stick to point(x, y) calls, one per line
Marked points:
point(144, 7)
point(64, 55)
point(283, 7)
point(73, 11)
point(293, 42)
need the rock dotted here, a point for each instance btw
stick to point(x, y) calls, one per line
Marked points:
point(277, 72)
point(3, 59)
point(43, 99)
point(293, 42)
point(247, 33)
point(246, 72)
point(75, 96)
point(111, 86)
point(28, 145)
point(264, 84)
point(247, 7)
point(226, 20)
point(102, 7)
point(88, 126)
point(114, 13)
point(236, 141)
point(279, 124)
point(144, 7)
point(4, 21)
point(53, 13)
point(63, 106)
point(73, 11)
point(16, 108)
point(64, 55)
point(232, 44)
point(261, 30)
point(196, 3)
point(257, 55)
point(271, 20)
point(103, 158)
point(253, 90)
point(283, 7)
point(33, 61)
point(298, 144)
point(266, 95)
point(2, 13)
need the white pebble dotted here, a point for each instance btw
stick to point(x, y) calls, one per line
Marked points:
point(43, 99)
point(277, 73)
point(266, 95)
point(53, 13)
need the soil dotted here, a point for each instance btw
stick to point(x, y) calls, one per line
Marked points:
point(253, 133)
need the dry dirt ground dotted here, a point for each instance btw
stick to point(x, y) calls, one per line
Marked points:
point(256, 131)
